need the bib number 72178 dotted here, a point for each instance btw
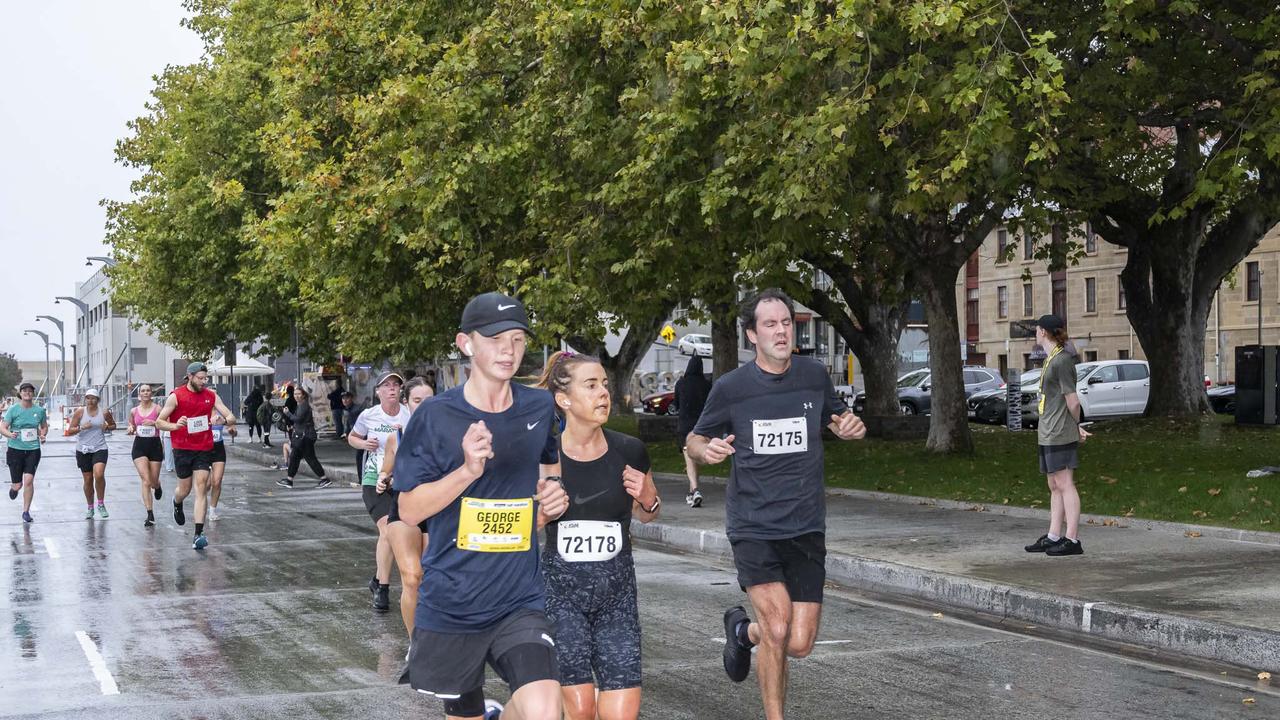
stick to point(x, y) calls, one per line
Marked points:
point(780, 437)
point(588, 540)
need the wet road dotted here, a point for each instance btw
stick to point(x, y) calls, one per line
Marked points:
point(106, 619)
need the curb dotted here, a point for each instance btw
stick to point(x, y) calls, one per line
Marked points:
point(1216, 532)
point(1220, 642)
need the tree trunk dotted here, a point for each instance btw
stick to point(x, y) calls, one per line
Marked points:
point(949, 424)
point(620, 367)
point(724, 338)
point(877, 350)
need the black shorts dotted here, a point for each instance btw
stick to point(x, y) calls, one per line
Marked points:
point(799, 563)
point(219, 453)
point(186, 462)
point(593, 607)
point(393, 513)
point(149, 448)
point(449, 665)
point(378, 504)
point(86, 461)
point(1054, 458)
point(22, 462)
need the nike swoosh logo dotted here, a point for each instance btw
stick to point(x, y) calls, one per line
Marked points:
point(501, 308)
point(584, 500)
point(532, 425)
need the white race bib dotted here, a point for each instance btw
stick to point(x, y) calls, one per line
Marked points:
point(217, 435)
point(28, 435)
point(588, 540)
point(147, 431)
point(780, 437)
point(197, 424)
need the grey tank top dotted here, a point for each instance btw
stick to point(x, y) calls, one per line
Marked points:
point(93, 439)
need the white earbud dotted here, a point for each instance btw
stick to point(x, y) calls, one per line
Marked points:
point(565, 403)
point(467, 349)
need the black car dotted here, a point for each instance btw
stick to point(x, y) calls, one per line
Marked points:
point(1223, 399)
point(991, 406)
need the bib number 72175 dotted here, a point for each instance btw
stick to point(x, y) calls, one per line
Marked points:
point(780, 437)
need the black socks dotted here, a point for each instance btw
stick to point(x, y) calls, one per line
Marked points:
point(199, 528)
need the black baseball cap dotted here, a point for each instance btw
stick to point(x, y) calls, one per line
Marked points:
point(387, 376)
point(1051, 323)
point(493, 313)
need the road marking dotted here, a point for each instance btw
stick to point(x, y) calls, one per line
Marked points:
point(1086, 621)
point(97, 664)
point(51, 548)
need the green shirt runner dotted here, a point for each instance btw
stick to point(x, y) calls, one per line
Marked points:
point(25, 419)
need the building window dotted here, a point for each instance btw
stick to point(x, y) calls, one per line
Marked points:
point(1060, 298)
point(139, 356)
point(1121, 301)
point(1123, 355)
point(1253, 289)
point(802, 335)
point(1091, 295)
point(1090, 240)
point(1002, 301)
point(971, 307)
point(1028, 301)
point(1091, 356)
point(1002, 244)
point(1028, 248)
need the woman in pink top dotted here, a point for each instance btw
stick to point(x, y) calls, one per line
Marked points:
point(148, 453)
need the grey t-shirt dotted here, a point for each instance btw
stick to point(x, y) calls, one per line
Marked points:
point(776, 486)
point(1057, 425)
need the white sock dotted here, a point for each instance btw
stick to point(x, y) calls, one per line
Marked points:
point(1053, 538)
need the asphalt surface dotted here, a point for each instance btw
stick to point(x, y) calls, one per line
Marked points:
point(273, 621)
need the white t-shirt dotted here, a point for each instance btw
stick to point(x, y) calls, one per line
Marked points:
point(376, 424)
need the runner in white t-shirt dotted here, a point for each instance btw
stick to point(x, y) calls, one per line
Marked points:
point(370, 434)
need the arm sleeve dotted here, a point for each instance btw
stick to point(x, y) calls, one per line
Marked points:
point(416, 461)
point(715, 414)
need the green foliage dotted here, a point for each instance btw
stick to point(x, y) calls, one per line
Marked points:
point(10, 374)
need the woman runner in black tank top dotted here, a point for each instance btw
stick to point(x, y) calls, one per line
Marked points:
point(587, 563)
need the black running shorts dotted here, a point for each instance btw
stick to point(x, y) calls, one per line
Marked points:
point(186, 462)
point(218, 454)
point(800, 563)
point(378, 504)
point(449, 665)
point(86, 461)
point(21, 462)
point(149, 448)
point(393, 513)
point(1054, 458)
point(593, 607)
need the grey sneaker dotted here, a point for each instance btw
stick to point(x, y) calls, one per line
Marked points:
point(102, 512)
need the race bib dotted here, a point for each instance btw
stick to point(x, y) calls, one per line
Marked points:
point(28, 435)
point(780, 437)
point(588, 540)
point(197, 424)
point(217, 435)
point(147, 431)
point(495, 525)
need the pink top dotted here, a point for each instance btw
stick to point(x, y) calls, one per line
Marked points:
point(139, 418)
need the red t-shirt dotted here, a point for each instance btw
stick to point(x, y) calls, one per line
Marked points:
point(192, 405)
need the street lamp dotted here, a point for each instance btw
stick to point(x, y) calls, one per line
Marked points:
point(128, 326)
point(88, 336)
point(47, 375)
point(62, 339)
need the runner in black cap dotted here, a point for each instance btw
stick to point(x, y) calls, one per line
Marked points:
point(479, 464)
point(370, 433)
point(1060, 436)
point(25, 425)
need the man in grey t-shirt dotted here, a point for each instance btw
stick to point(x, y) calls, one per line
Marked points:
point(769, 416)
point(1060, 436)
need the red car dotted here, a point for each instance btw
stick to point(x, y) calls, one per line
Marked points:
point(663, 403)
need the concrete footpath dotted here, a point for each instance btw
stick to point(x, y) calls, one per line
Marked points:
point(1202, 592)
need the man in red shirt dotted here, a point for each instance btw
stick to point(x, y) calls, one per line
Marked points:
point(192, 437)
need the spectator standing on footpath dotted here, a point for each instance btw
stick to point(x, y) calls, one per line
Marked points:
point(335, 407)
point(692, 390)
point(251, 405)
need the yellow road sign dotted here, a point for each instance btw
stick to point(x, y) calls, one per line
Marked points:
point(668, 334)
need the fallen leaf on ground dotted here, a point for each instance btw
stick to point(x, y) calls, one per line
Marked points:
point(1198, 513)
point(937, 615)
point(1193, 534)
point(1090, 522)
point(1130, 513)
point(1109, 480)
point(1264, 675)
point(1182, 489)
point(1249, 701)
point(1109, 522)
point(1215, 491)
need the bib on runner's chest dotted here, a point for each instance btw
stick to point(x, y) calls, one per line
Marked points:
point(146, 431)
point(495, 525)
point(588, 540)
point(28, 435)
point(780, 437)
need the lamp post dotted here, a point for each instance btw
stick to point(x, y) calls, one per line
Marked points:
point(47, 376)
point(88, 336)
point(62, 339)
point(128, 326)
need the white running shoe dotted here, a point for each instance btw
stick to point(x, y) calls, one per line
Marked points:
point(212, 514)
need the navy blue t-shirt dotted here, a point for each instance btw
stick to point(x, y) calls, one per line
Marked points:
point(776, 489)
point(465, 591)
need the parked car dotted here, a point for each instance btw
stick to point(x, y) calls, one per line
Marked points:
point(991, 406)
point(914, 389)
point(846, 393)
point(1223, 399)
point(695, 344)
point(662, 403)
point(1111, 388)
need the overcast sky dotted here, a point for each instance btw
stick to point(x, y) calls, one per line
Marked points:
point(75, 71)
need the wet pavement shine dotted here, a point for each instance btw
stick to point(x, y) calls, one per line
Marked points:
point(108, 619)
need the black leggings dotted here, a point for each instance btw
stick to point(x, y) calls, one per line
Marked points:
point(254, 427)
point(304, 449)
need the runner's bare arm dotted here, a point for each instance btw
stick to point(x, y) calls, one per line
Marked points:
point(429, 498)
point(553, 501)
point(228, 417)
point(388, 463)
point(645, 493)
point(109, 421)
point(5, 431)
point(847, 426)
point(74, 427)
point(709, 451)
point(360, 442)
point(162, 421)
point(132, 427)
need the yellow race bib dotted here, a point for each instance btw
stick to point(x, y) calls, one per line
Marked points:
point(495, 525)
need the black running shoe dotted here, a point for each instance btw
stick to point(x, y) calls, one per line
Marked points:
point(737, 658)
point(179, 516)
point(159, 492)
point(324, 483)
point(1044, 543)
point(148, 523)
point(381, 598)
point(373, 584)
point(13, 492)
point(285, 482)
point(1066, 547)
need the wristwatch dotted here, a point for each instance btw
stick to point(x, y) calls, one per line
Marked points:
point(657, 503)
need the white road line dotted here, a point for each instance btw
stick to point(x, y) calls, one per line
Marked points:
point(1086, 620)
point(51, 548)
point(97, 664)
